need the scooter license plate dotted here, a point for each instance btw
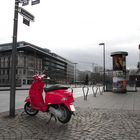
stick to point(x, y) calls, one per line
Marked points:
point(72, 107)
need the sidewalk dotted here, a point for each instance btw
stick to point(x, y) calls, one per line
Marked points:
point(105, 117)
point(109, 100)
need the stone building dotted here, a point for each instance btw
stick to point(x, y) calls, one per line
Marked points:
point(31, 59)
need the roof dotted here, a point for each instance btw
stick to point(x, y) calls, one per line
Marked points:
point(119, 53)
point(31, 47)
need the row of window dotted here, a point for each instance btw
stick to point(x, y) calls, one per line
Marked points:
point(21, 61)
point(3, 81)
point(5, 62)
point(19, 71)
point(7, 81)
point(56, 62)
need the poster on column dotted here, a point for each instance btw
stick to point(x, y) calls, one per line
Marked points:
point(119, 62)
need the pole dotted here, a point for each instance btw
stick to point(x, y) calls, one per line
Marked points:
point(13, 69)
point(139, 52)
point(104, 63)
point(75, 74)
point(103, 44)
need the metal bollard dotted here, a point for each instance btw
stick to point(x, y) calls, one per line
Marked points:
point(100, 91)
point(85, 91)
point(94, 91)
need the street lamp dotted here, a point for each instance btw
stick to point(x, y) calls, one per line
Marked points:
point(75, 74)
point(139, 53)
point(103, 44)
point(138, 66)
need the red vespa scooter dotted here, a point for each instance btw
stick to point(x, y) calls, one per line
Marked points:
point(58, 100)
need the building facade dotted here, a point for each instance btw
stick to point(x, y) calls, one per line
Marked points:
point(98, 69)
point(31, 59)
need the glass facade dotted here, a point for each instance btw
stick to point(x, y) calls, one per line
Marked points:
point(57, 69)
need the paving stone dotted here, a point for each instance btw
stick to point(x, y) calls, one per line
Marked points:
point(89, 123)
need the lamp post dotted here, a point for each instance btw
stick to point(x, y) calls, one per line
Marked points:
point(138, 66)
point(139, 52)
point(75, 74)
point(103, 44)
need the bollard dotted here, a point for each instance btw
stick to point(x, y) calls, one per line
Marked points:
point(94, 92)
point(85, 91)
point(101, 92)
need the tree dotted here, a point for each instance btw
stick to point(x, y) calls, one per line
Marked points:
point(86, 79)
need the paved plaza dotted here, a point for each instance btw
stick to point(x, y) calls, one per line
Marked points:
point(104, 117)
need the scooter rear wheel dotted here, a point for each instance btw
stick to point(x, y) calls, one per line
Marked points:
point(28, 109)
point(66, 114)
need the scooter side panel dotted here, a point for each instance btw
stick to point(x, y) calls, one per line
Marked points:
point(60, 97)
point(54, 97)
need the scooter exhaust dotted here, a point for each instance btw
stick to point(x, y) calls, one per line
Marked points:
point(55, 112)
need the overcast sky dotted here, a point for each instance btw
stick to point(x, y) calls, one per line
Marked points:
point(74, 28)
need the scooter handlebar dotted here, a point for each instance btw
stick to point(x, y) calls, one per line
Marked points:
point(42, 76)
point(39, 77)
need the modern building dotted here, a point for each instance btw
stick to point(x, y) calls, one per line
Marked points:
point(31, 59)
point(98, 69)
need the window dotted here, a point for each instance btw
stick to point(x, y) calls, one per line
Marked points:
point(20, 71)
point(24, 71)
point(3, 72)
point(4, 62)
point(24, 61)
point(7, 72)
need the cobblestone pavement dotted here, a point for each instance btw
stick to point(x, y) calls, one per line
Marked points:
point(87, 124)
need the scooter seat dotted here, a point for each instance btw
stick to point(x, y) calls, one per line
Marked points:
point(55, 87)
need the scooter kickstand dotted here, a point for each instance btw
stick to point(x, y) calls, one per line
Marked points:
point(51, 118)
point(54, 117)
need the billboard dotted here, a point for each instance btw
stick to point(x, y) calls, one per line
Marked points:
point(119, 63)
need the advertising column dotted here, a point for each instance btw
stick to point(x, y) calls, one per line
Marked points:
point(119, 71)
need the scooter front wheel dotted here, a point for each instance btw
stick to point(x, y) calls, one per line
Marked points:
point(29, 110)
point(66, 114)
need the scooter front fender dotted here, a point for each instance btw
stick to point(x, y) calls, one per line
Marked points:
point(27, 99)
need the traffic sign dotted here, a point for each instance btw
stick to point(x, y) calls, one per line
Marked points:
point(26, 14)
point(26, 21)
point(20, 1)
point(35, 2)
point(25, 2)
